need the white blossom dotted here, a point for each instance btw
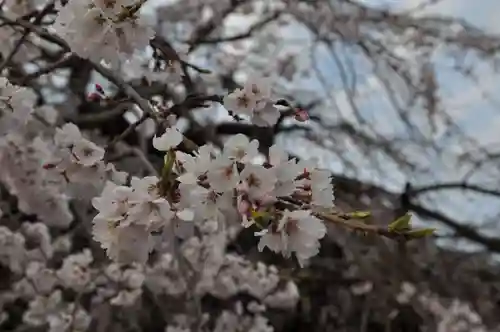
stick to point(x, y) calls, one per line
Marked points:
point(16, 106)
point(190, 168)
point(169, 140)
point(42, 279)
point(39, 233)
point(12, 252)
point(58, 315)
point(321, 188)
point(259, 88)
point(240, 101)
point(258, 180)
point(223, 175)
point(297, 232)
point(87, 153)
point(239, 148)
point(67, 135)
point(266, 116)
point(286, 172)
point(148, 207)
point(207, 203)
point(103, 29)
point(75, 272)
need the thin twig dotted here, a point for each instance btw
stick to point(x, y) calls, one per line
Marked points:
point(127, 131)
point(27, 31)
point(360, 226)
point(140, 155)
point(128, 89)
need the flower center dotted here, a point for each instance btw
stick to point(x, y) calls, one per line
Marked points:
point(243, 101)
point(291, 226)
point(87, 152)
point(240, 153)
point(253, 181)
point(228, 172)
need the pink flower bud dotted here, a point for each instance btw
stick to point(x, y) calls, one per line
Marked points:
point(301, 115)
point(49, 166)
point(306, 174)
point(99, 88)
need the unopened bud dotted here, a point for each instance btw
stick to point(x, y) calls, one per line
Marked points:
point(301, 115)
point(99, 88)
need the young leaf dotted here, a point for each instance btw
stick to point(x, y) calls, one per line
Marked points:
point(420, 233)
point(359, 214)
point(258, 214)
point(401, 224)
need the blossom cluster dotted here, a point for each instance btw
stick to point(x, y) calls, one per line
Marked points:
point(200, 197)
point(37, 280)
point(43, 165)
point(23, 125)
point(105, 29)
point(254, 101)
point(280, 198)
point(454, 315)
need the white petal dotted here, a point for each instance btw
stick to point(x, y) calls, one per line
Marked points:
point(247, 222)
point(261, 233)
point(186, 215)
point(277, 155)
point(170, 139)
point(188, 178)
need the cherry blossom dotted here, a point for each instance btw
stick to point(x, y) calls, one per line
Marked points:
point(258, 180)
point(103, 29)
point(265, 116)
point(223, 174)
point(241, 102)
point(321, 188)
point(168, 140)
point(16, 106)
point(87, 153)
point(297, 232)
point(259, 88)
point(240, 149)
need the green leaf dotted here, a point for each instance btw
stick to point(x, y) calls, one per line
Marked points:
point(420, 233)
point(258, 214)
point(359, 214)
point(401, 224)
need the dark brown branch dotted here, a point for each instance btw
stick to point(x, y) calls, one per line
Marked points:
point(452, 186)
point(465, 231)
point(257, 26)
